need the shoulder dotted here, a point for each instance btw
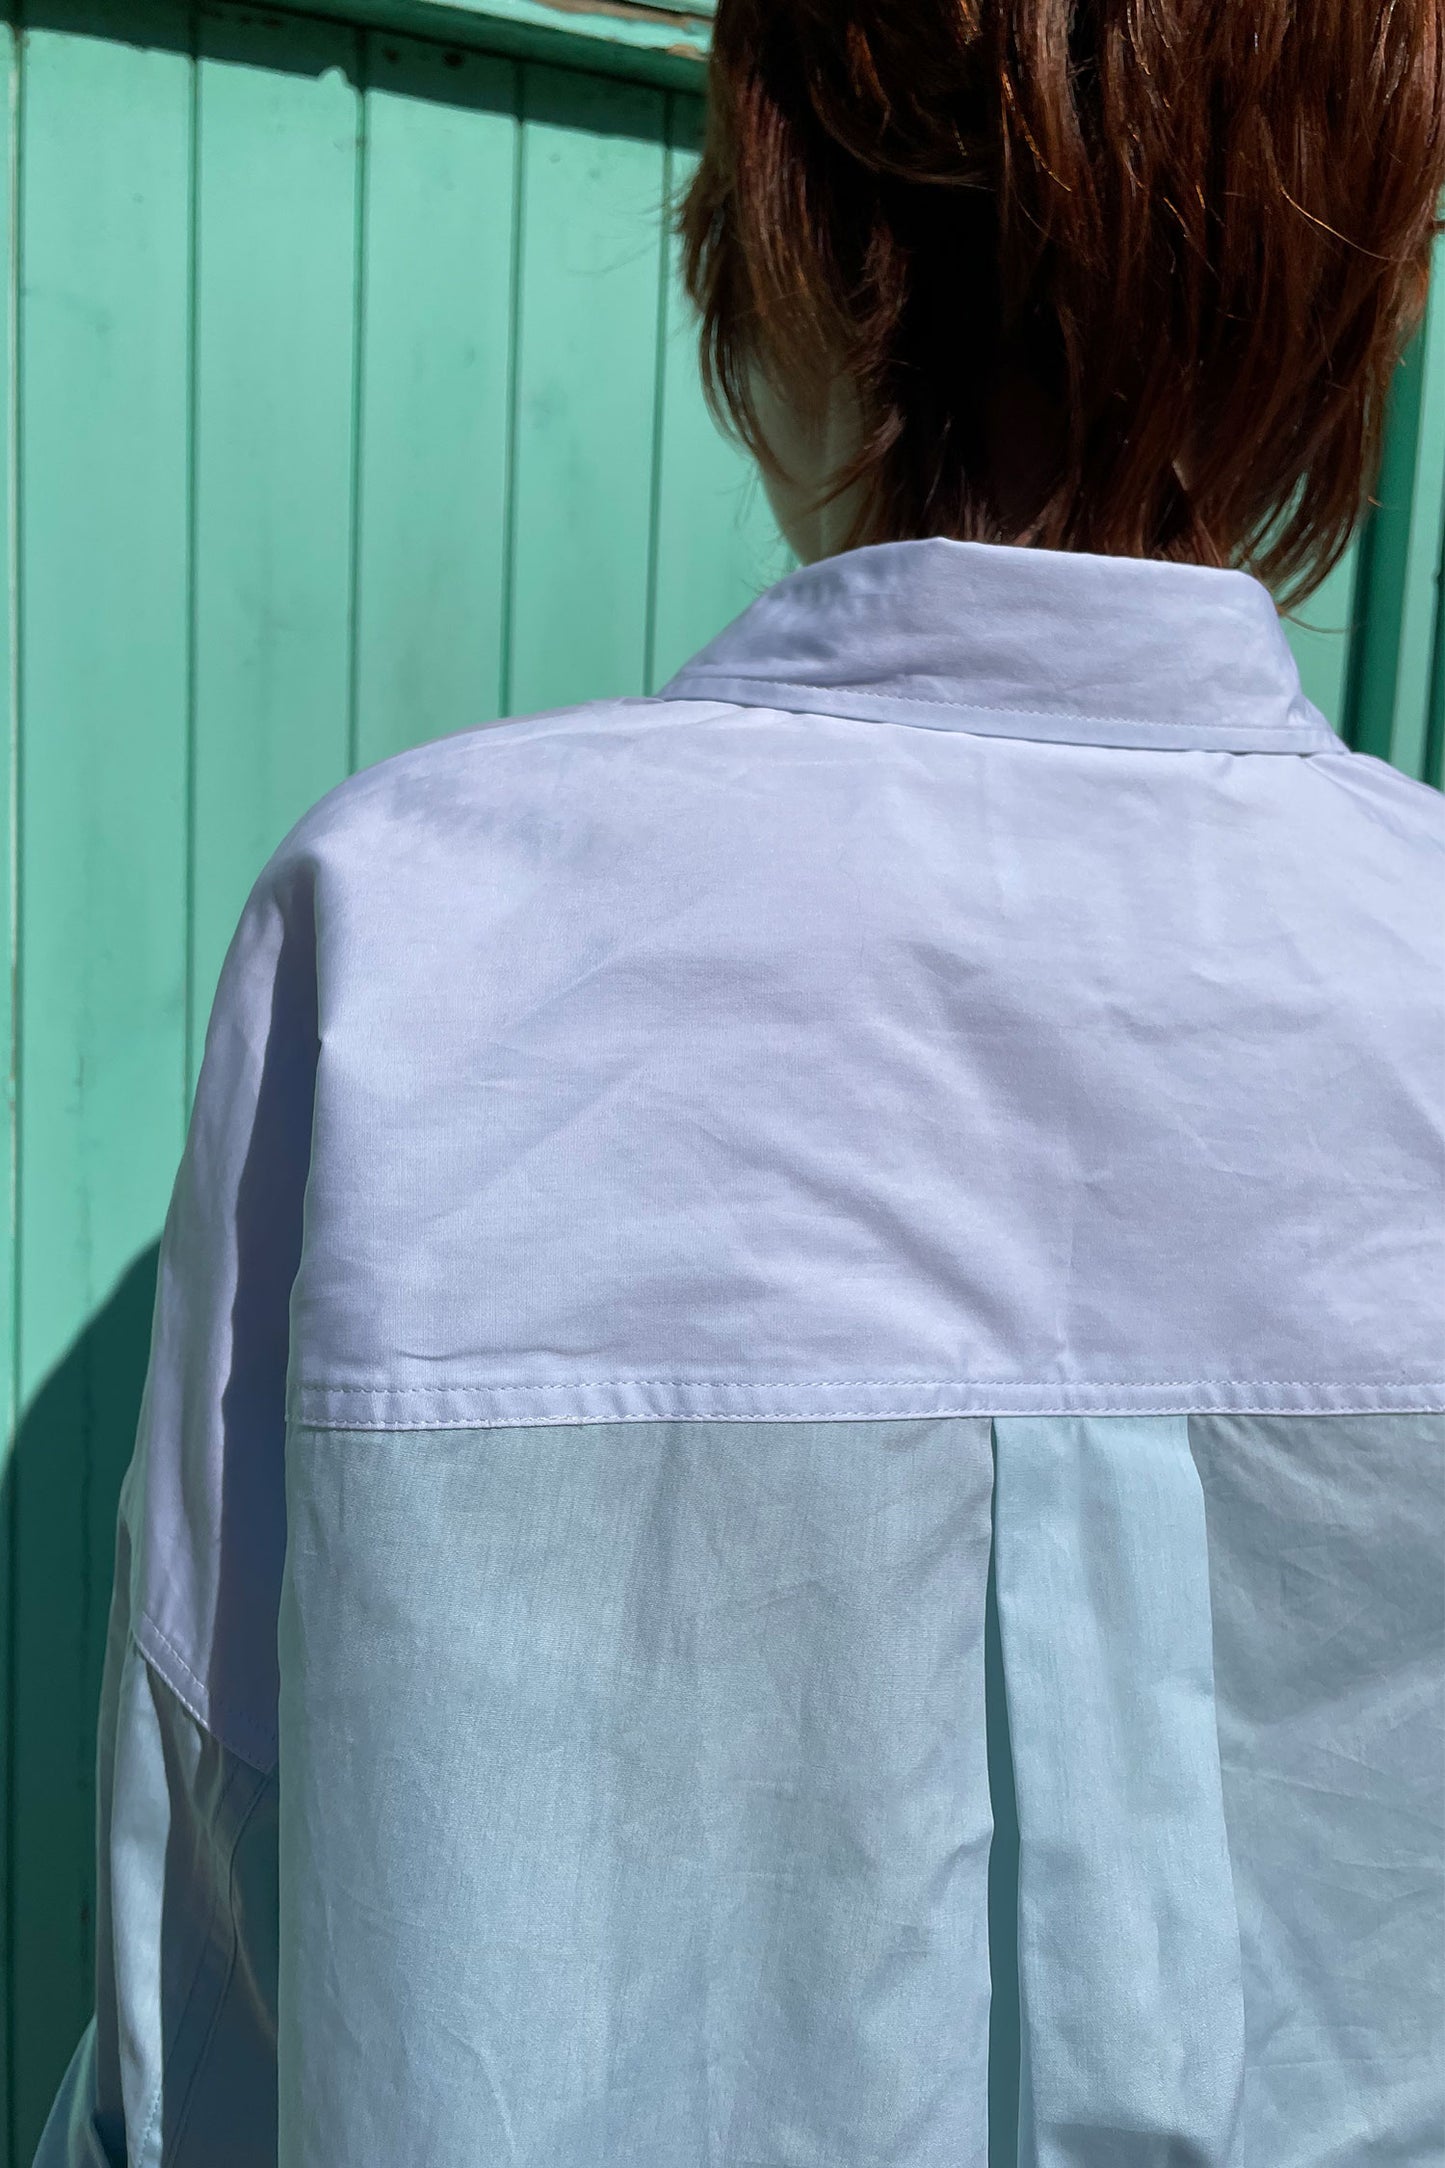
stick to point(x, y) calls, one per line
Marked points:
point(461, 785)
point(555, 823)
point(1385, 805)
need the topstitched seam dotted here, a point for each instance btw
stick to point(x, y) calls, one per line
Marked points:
point(984, 707)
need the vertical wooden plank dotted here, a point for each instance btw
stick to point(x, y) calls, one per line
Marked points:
point(9, 88)
point(1434, 765)
point(104, 186)
point(278, 113)
point(1320, 635)
point(717, 544)
point(1420, 600)
point(441, 155)
point(1391, 667)
point(592, 178)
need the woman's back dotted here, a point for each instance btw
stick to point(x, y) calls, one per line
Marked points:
point(865, 1475)
point(790, 1503)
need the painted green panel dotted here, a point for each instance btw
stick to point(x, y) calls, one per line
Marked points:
point(277, 117)
point(661, 41)
point(1383, 547)
point(717, 544)
point(8, 85)
point(1320, 635)
point(589, 295)
point(1432, 759)
point(104, 239)
point(1410, 746)
point(1391, 669)
point(441, 150)
point(1435, 738)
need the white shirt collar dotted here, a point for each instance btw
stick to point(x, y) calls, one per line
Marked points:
point(1020, 643)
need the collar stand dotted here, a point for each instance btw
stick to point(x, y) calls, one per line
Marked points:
point(1022, 643)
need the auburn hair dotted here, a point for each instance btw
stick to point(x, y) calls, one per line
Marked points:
point(1196, 232)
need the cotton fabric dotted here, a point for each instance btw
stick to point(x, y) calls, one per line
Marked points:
point(790, 1507)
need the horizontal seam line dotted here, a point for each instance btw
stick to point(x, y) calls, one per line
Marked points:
point(407, 1425)
point(776, 1385)
point(990, 707)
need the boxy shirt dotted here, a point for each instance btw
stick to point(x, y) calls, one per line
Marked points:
point(790, 1506)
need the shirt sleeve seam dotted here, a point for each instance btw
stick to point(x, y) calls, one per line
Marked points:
point(261, 1781)
point(169, 2046)
point(262, 1737)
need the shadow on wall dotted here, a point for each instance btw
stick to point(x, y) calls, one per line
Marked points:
point(61, 1485)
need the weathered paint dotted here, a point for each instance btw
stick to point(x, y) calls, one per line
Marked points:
point(658, 41)
point(1392, 704)
point(102, 553)
point(9, 79)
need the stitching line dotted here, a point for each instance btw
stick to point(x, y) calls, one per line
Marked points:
point(414, 1427)
point(778, 1385)
point(261, 1731)
point(980, 707)
point(169, 2046)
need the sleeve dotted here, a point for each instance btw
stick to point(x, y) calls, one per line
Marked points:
point(178, 2062)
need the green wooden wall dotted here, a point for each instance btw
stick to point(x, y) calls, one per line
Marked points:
point(1371, 642)
point(347, 400)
